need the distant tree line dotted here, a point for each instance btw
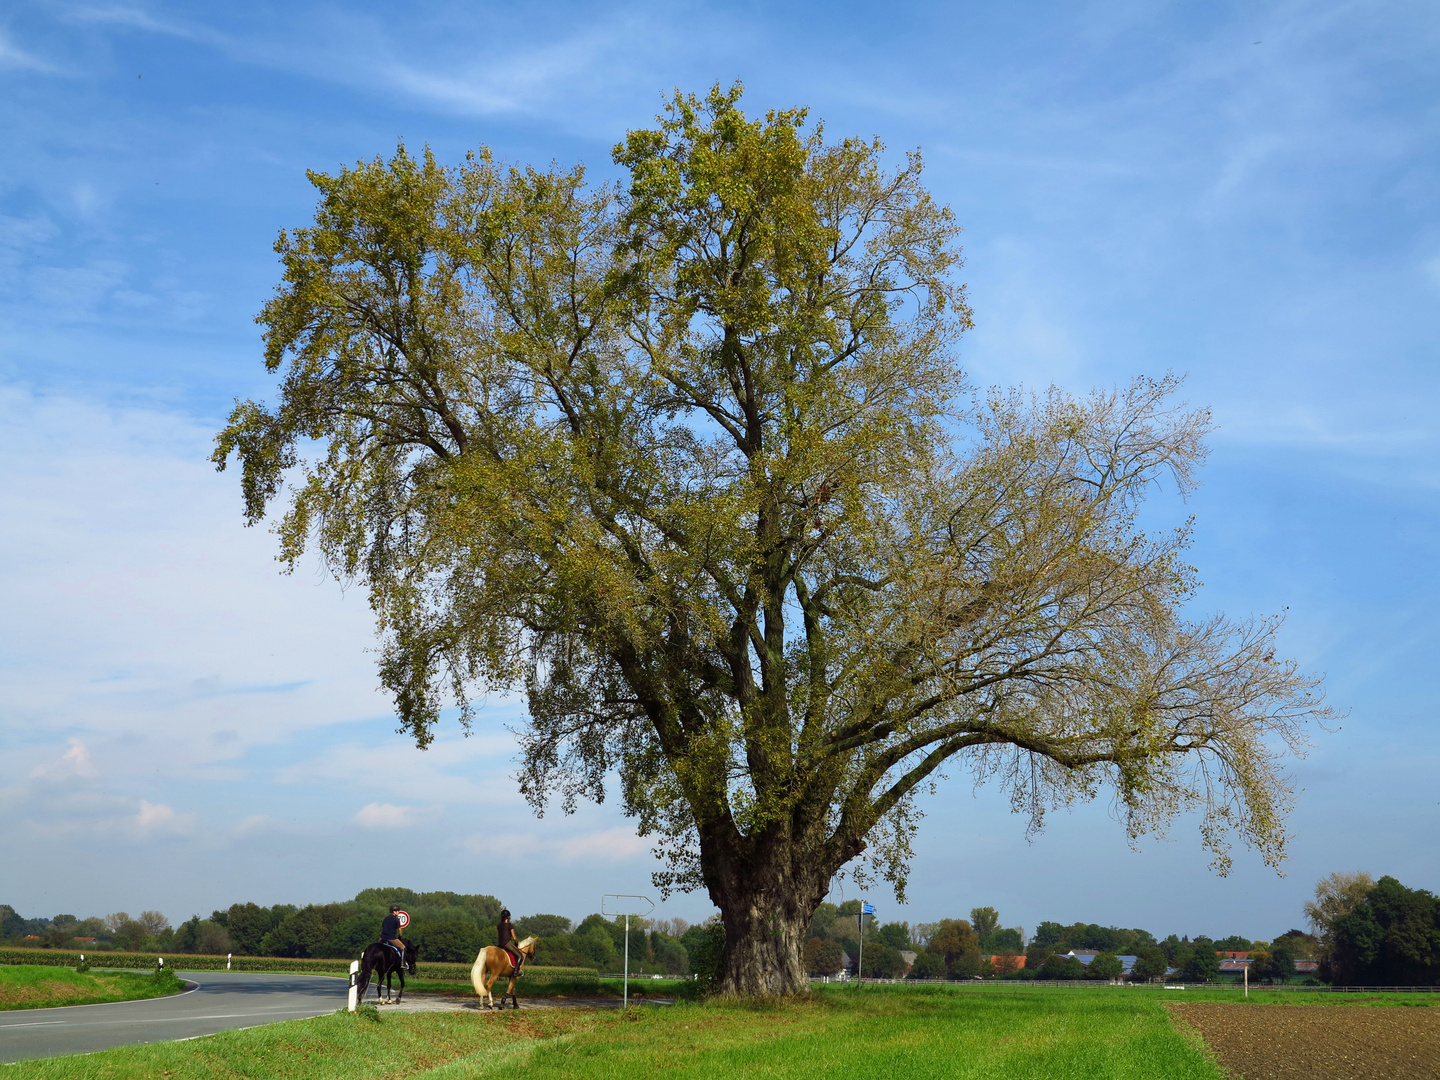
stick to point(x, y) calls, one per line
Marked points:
point(445, 926)
point(979, 947)
point(1367, 932)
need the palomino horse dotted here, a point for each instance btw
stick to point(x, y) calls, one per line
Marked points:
point(494, 963)
point(383, 961)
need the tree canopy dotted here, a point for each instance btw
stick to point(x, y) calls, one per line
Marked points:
point(690, 460)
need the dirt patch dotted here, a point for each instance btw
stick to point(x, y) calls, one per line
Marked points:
point(1296, 1042)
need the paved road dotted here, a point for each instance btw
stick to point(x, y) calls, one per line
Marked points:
point(223, 999)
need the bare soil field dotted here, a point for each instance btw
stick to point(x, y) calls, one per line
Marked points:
point(1298, 1042)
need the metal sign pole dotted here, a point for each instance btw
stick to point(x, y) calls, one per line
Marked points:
point(617, 904)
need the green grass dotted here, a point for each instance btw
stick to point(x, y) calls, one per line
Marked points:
point(873, 1032)
point(1257, 996)
point(543, 984)
point(44, 987)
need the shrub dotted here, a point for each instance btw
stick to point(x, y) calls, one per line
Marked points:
point(706, 946)
point(928, 966)
point(1105, 966)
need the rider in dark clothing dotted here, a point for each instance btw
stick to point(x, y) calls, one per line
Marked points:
point(506, 933)
point(390, 930)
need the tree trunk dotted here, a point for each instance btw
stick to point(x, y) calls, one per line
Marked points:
point(766, 909)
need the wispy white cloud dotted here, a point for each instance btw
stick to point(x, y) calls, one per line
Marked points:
point(14, 58)
point(378, 815)
point(139, 19)
point(604, 846)
point(74, 762)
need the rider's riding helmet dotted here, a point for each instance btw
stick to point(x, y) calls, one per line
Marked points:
point(504, 914)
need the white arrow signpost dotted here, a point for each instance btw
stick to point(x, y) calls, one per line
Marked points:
point(623, 904)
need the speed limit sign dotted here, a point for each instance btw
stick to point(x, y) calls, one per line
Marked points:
point(404, 917)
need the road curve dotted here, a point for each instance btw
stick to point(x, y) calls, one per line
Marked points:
point(221, 1000)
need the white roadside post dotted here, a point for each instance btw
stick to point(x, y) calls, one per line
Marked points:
point(228, 956)
point(1247, 980)
point(350, 1002)
point(613, 904)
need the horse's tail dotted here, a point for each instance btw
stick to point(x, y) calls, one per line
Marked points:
point(477, 971)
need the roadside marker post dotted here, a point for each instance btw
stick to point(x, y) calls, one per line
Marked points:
point(350, 1001)
point(228, 957)
point(612, 904)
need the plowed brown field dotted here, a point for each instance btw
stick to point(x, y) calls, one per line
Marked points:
point(1321, 1042)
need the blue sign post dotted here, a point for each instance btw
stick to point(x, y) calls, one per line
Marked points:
point(865, 909)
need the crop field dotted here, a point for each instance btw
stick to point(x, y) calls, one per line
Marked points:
point(872, 1031)
point(40, 987)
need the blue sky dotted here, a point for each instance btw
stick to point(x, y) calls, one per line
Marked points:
point(1248, 193)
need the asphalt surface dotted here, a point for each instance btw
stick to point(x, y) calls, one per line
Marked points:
point(221, 1000)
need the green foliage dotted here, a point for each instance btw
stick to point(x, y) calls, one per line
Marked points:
point(691, 462)
point(823, 956)
point(130, 934)
point(1050, 934)
point(543, 925)
point(452, 940)
point(928, 966)
point(1150, 963)
point(1060, 967)
point(1005, 940)
point(882, 961)
point(1091, 936)
point(1202, 965)
point(1390, 938)
point(706, 945)
point(895, 934)
point(955, 942)
point(1105, 966)
point(984, 920)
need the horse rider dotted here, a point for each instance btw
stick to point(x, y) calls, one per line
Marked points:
point(390, 932)
point(508, 940)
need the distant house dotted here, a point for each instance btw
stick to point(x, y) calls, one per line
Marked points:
point(31, 937)
point(87, 940)
point(1019, 960)
point(908, 955)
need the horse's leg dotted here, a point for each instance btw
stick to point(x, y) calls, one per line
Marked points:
point(510, 993)
point(402, 987)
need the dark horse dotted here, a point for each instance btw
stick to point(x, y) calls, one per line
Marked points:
point(383, 961)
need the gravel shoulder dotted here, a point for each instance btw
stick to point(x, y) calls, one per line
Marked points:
point(1298, 1042)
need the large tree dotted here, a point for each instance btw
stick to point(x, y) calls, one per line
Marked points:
point(690, 460)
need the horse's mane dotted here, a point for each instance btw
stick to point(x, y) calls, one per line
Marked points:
point(529, 941)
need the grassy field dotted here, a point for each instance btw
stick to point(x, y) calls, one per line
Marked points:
point(46, 987)
point(873, 1032)
point(542, 984)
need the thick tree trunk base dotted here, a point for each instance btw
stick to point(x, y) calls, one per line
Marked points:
point(763, 955)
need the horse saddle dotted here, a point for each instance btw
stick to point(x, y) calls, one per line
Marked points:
point(517, 961)
point(398, 952)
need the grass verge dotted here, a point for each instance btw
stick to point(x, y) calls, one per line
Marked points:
point(546, 985)
point(877, 1032)
point(49, 987)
